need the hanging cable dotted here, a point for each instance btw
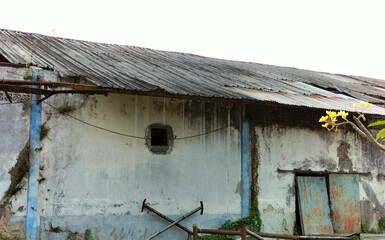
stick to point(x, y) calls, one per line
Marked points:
point(128, 135)
point(92, 125)
point(201, 134)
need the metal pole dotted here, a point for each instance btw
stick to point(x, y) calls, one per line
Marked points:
point(177, 221)
point(195, 231)
point(245, 165)
point(243, 232)
point(34, 159)
point(146, 206)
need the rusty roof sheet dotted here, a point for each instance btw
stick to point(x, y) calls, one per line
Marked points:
point(143, 69)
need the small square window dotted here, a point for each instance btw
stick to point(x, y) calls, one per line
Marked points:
point(159, 138)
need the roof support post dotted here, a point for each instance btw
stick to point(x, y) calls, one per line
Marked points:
point(34, 159)
point(245, 159)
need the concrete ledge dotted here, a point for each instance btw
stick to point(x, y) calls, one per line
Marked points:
point(125, 226)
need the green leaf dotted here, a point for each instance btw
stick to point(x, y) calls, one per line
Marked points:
point(381, 135)
point(378, 123)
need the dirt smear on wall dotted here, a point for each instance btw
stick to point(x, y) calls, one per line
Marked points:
point(18, 172)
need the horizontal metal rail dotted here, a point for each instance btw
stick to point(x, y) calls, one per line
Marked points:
point(245, 233)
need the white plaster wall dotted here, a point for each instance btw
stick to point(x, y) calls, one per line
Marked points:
point(14, 135)
point(91, 172)
point(292, 148)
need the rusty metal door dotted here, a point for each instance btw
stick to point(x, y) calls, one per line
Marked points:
point(314, 205)
point(345, 203)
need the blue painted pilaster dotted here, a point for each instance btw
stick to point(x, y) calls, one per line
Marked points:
point(34, 159)
point(245, 158)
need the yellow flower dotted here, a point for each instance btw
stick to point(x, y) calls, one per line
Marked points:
point(325, 125)
point(323, 119)
point(343, 114)
point(331, 114)
point(368, 104)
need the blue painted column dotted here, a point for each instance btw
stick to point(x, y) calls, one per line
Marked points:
point(245, 158)
point(34, 159)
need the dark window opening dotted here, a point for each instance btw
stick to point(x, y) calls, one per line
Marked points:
point(159, 138)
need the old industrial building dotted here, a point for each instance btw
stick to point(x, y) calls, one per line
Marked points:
point(102, 127)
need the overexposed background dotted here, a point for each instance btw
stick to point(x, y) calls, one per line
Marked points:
point(338, 36)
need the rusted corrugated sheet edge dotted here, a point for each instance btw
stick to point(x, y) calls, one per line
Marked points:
point(332, 102)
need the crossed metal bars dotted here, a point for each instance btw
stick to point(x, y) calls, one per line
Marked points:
point(173, 223)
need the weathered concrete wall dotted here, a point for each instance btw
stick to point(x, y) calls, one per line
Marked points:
point(302, 148)
point(97, 180)
point(14, 149)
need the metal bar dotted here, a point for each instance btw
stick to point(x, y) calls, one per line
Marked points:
point(285, 236)
point(220, 232)
point(259, 235)
point(3, 64)
point(43, 82)
point(34, 159)
point(245, 165)
point(297, 171)
point(44, 98)
point(23, 89)
point(254, 235)
point(146, 206)
point(177, 221)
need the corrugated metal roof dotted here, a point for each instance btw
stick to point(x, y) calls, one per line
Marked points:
point(142, 69)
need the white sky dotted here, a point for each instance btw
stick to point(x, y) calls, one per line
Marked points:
point(338, 36)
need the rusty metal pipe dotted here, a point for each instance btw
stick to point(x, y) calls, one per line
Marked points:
point(285, 236)
point(219, 232)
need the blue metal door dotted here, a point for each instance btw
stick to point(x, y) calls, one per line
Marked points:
point(314, 205)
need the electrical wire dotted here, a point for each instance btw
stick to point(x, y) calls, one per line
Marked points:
point(95, 126)
point(132, 136)
point(201, 134)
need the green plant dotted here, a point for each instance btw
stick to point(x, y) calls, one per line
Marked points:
point(355, 237)
point(380, 228)
point(44, 130)
point(10, 238)
point(66, 108)
point(381, 225)
point(253, 221)
point(88, 234)
point(366, 229)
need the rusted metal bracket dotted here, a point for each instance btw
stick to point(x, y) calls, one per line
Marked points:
point(20, 86)
point(173, 223)
point(44, 98)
